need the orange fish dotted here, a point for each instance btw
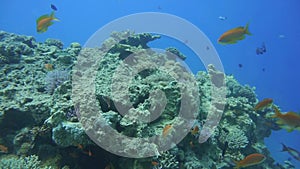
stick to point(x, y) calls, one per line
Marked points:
point(195, 130)
point(288, 121)
point(80, 146)
point(250, 160)
point(234, 35)
point(44, 21)
point(3, 149)
point(263, 104)
point(154, 163)
point(48, 66)
point(166, 130)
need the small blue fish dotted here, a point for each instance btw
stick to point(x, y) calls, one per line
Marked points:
point(53, 7)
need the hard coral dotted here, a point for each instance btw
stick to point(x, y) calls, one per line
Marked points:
point(55, 78)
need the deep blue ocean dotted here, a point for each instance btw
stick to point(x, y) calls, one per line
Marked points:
point(275, 74)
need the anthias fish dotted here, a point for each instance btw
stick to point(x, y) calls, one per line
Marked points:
point(289, 121)
point(291, 151)
point(166, 130)
point(195, 131)
point(250, 160)
point(263, 104)
point(44, 21)
point(234, 35)
point(3, 149)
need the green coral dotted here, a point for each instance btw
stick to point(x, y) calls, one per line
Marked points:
point(168, 159)
point(235, 138)
point(69, 134)
point(29, 162)
point(13, 47)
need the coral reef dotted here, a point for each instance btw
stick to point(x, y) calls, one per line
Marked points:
point(29, 162)
point(38, 115)
point(13, 47)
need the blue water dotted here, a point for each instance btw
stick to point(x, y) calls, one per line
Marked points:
point(276, 23)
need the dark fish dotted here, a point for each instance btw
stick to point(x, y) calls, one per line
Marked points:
point(224, 149)
point(294, 153)
point(263, 69)
point(261, 50)
point(240, 65)
point(53, 7)
point(279, 166)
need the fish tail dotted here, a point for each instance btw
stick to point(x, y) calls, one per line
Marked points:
point(236, 163)
point(247, 29)
point(53, 17)
point(236, 167)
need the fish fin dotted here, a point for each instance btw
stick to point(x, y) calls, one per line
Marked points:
point(232, 42)
point(43, 30)
point(229, 42)
point(236, 167)
point(53, 17)
point(247, 29)
point(241, 38)
point(238, 28)
point(52, 14)
point(287, 128)
point(279, 122)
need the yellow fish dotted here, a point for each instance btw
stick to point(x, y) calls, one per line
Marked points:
point(288, 121)
point(234, 35)
point(44, 21)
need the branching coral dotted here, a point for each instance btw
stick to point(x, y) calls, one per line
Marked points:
point(29, 162)
point(235, 138)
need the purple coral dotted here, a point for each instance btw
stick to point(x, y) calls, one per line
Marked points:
point(54, 79)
